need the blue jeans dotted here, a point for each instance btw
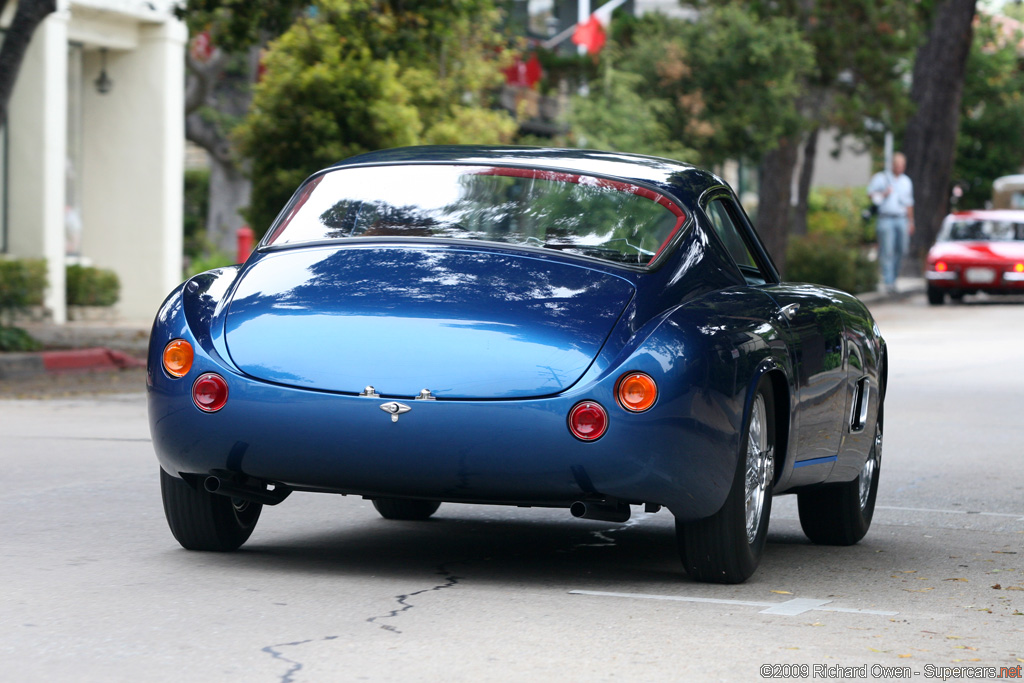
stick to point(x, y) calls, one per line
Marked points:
point(892, 246)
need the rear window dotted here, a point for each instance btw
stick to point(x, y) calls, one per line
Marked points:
point(579, 214)
point(973, 230)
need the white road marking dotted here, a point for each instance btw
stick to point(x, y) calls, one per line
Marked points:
point(791, 608)
point(796, 606)
point(1016, 515)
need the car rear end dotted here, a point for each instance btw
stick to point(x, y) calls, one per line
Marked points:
point(979, 251)
point(449, 344)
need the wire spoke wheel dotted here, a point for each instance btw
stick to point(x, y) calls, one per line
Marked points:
point(868, 472)
point(760, 468)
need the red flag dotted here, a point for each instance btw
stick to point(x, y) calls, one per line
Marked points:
point(591, 34)
point(524, 74)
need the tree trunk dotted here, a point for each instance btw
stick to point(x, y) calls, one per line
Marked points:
point(774, 209)
point(930, 140)
point(29, 15)
point(230, 192)
point(803, 187)
point(230, 189)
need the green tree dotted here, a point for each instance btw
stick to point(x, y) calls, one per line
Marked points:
point(991, 141)
point(729, 84)
point(616, 116)
point(730, 79)
point(237, 25)
point(861, 50)
point(28, 15)
point(218, 94)
point(359, 75)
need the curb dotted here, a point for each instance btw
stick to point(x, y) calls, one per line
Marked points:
point(908, 287)
point(20, 365)
point(870, 298)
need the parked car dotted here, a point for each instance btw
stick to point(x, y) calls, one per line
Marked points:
point(569, 329)
point(977, 251)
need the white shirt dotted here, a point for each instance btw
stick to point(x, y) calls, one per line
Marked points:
point(897, 201)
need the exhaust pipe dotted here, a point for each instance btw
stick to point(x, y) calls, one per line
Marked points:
point(249, 492)
point(604, 512)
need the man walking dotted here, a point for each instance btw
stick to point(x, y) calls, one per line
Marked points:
point(893, 193)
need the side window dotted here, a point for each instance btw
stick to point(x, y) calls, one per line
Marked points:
point(726, 228)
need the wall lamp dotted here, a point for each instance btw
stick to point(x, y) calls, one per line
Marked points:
point(103, 82)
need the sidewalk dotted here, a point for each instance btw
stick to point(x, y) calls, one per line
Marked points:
point(906, 287)
point(79, 346)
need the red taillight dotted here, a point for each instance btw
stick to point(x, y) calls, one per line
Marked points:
point(210, 392)
point(636, 392)
point(177, 358)
point(588, 421)
point(941, 266)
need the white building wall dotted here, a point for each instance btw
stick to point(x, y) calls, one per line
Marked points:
point(852, 168)
point(37, 136)
point(130, 173)
point(132, 167)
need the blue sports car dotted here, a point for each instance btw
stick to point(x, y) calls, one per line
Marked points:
point(534, 327)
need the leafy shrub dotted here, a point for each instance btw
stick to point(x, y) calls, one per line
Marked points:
point(88, 286)
point(214, 259)
point(197, 204)
point(837, 211)
point(17, 339)
point(832, 252)
point(22, 283)
point(824, 258)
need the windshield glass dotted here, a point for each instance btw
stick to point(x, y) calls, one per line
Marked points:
point(964, 230)
point(579, 214)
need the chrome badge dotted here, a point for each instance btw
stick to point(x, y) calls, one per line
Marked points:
point(395, 409)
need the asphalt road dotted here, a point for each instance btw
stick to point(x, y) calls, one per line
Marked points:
point(94, 588)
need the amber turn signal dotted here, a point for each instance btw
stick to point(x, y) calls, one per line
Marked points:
point(637, 392)
point(178, 358)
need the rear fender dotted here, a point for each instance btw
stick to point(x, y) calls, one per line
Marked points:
point(190, 312)
point(707, 358)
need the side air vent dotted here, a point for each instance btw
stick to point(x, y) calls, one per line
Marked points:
point(861, 401)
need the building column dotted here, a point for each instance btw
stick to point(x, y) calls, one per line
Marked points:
point(37, 125)
point(133, 167)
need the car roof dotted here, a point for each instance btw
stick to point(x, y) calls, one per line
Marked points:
point(686, 181)
point(1008, 182)
point(1009, 215)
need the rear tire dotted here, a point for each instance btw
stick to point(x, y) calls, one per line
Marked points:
point(201, 520)
point(405, 509)
point(936, 297)
point(727, 547)
point(841, 514)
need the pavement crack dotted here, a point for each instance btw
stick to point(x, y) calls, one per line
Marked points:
point(295, 667)
point(450, 580)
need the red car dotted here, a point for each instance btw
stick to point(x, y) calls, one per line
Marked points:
point(977, 251)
